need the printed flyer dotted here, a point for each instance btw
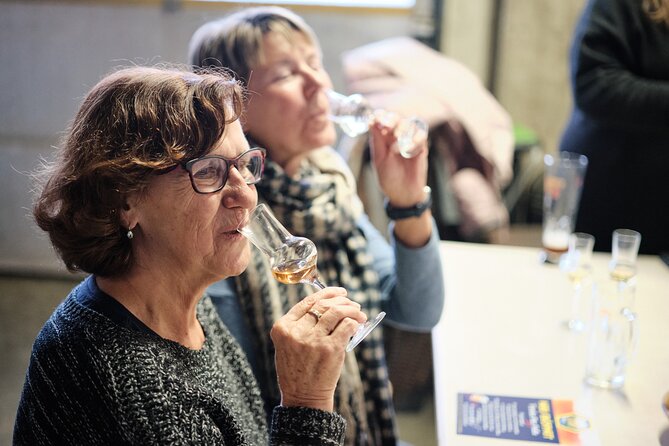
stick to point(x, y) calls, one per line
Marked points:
point(513, 418)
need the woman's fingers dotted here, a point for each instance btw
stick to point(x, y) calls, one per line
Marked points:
point(302, 307)
point(310, 342)
point(332, 314)
point(323, 311)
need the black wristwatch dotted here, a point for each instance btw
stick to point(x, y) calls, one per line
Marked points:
point(417, 210)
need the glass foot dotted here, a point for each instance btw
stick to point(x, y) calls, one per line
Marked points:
point(363, 331)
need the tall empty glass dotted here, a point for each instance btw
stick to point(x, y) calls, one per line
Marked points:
point(292, 259)
point(613, 337)
point(563, 180)
point(354, 115)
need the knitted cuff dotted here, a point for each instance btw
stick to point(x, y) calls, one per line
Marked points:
point(305, 426)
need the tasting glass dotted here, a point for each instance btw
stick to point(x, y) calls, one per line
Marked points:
point(577, 263)
point(622, 268)
point(624, 251)
point(354, 115)
point(292, 259)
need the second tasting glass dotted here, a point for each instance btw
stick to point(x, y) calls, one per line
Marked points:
point(622, 268)
point(292, 259)
point(354, 115)
point(624, 251)
point(577, 263)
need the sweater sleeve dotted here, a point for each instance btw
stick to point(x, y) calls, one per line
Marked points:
point(305, 426)
point(411, 279)
point(617, 65)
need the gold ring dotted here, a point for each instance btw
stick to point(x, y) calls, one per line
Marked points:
point(315, 313)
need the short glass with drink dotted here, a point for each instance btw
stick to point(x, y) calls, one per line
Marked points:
point(622, 268)
point(563, 181)
point(624, 251)
point(577, 263)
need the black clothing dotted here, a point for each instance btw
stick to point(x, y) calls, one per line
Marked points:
point(620, 121)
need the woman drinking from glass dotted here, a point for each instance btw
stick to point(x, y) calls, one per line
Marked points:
point(310, 189)
point(153, 179)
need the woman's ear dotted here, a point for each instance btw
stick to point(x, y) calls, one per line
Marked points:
point(129, 212)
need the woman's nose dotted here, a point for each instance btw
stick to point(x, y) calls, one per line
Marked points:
point(315, 80)
point(237, 192)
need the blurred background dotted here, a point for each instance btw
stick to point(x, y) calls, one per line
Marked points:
point(53, 52)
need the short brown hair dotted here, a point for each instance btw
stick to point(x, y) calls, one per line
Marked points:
point(134, 123)
point(235, 41)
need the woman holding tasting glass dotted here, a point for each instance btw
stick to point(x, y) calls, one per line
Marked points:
point(150, 186)
point(309, 188)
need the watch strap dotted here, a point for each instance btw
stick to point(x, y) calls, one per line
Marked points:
point(395, 213)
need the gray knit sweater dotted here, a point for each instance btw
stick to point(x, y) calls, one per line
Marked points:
point(93, 380)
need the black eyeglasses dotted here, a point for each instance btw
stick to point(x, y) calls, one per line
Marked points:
point(210, 173)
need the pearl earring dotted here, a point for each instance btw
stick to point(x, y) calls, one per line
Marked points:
point(129, 234)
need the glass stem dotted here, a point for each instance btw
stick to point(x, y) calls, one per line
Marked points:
point(317, 283)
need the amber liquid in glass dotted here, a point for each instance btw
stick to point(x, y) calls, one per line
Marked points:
point(295, 271)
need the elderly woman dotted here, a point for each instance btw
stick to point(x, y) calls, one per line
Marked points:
point(154, 178)
point(309, 188)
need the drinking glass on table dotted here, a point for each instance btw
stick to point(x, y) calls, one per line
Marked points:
point(613, 338)
point(624, 251)
point(292, 259)
point(354, 115)
point(577, 263)
point(563, 180)
point(622, 268)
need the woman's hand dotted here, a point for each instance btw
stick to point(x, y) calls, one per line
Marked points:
point(401, 179)
point(310, 342)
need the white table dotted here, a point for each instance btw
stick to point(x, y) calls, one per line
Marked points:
point(501, 333)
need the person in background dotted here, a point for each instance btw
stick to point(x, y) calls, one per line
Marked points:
point(310, 189)
point(620, 121)
point(153, 179)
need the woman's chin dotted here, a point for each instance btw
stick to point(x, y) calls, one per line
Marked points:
point(323, 140)
point(242, 261)
point(234, 266)
point(321, 133)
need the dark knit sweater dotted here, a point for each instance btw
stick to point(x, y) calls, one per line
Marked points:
point(97, 375)
point(620, 82)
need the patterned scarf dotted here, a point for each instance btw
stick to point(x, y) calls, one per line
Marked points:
point(320, 203)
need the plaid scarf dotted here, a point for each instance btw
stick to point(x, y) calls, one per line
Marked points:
point(320, 203)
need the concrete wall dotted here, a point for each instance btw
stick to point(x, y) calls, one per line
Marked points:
point(466, 33)
point(533, 73)
point(531, 80)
